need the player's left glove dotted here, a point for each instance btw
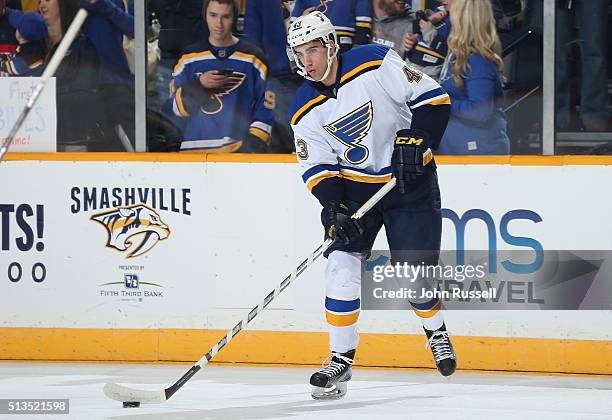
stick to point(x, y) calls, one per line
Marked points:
point(411, 155)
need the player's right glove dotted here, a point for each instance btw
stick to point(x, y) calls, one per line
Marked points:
point(410, 157)
point(339, 226)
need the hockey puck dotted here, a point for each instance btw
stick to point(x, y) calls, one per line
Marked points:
point(128, 404)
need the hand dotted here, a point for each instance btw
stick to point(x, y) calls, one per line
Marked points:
point(308, 10)
point(409, 40)
point(91, 5)
point(212, 79)
point(339, 226)
point(253, 144)
point(410, 157)
point(437, 17)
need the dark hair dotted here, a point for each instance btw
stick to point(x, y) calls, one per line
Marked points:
point(68, 10)
point(234, 4)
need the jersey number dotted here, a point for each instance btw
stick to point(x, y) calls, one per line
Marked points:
point(413, 76)
point(301, 149)
point(270, 100)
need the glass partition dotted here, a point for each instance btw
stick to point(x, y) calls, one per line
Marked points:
point(583, 77)
point(560, 47)
point(95, 82)
point(90, 104)
point(184, 33)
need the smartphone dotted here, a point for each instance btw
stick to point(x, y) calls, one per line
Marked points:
point(225, 72)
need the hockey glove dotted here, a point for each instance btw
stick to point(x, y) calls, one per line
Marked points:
point(410, 157)
point(339, 226)
point(253, 144)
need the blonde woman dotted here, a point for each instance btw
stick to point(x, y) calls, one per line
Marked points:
point(472, 76)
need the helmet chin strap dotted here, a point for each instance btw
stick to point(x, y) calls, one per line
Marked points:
point(330, 61)
point(331, 53)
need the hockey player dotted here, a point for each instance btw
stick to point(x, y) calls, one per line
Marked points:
point(360, 118)
point(219, 84)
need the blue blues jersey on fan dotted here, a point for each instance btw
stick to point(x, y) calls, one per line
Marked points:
point(352, 19)
point(220, 119)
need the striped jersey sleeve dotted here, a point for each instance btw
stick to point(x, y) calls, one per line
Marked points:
point(407, 85)
point(428, 101)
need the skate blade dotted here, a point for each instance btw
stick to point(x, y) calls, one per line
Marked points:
point(334, 392)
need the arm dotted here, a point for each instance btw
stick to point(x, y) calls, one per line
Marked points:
point(430, 106)
point(428, 102)
point(321, 174)
point(16, 66)
point(115, 13)
point(298, 9)
point(480, 88)
point(253, 23)
point(319, 165)
point(258, 137)
point(363, 22)
point(186, 92)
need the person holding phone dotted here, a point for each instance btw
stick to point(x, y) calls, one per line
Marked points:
point(219, 86)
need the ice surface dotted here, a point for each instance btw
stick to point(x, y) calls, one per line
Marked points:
point(247, 392)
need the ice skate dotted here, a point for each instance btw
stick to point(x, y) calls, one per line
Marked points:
point(330, 382)
point(442, 350)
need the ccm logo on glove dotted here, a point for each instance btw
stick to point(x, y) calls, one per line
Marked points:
point(417, 141)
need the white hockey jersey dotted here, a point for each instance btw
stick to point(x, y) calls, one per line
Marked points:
point(351, 135)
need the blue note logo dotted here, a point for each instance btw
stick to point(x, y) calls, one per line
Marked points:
point(214, 103)
point(351, 129)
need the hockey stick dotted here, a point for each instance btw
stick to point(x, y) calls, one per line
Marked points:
point(130, 396)
point(56, 60)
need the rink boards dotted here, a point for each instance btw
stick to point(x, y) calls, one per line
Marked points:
point(151, 257)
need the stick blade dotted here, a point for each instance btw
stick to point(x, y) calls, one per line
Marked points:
point(125, 394)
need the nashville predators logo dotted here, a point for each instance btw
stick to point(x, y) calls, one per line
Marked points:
point(133, 229)
point(351, 129)
point(214, 104)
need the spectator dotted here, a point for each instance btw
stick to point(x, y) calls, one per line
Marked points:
point(108, 22)
point(591, 19)
point(181, 25)
point(8, 42)
point(391, 22)
point(78, 103)
point(219, 85)
point(352, 19)
point(441, 21)
point(472, 77)
point(31, 32)
point(265, 27)
point(398, 28)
